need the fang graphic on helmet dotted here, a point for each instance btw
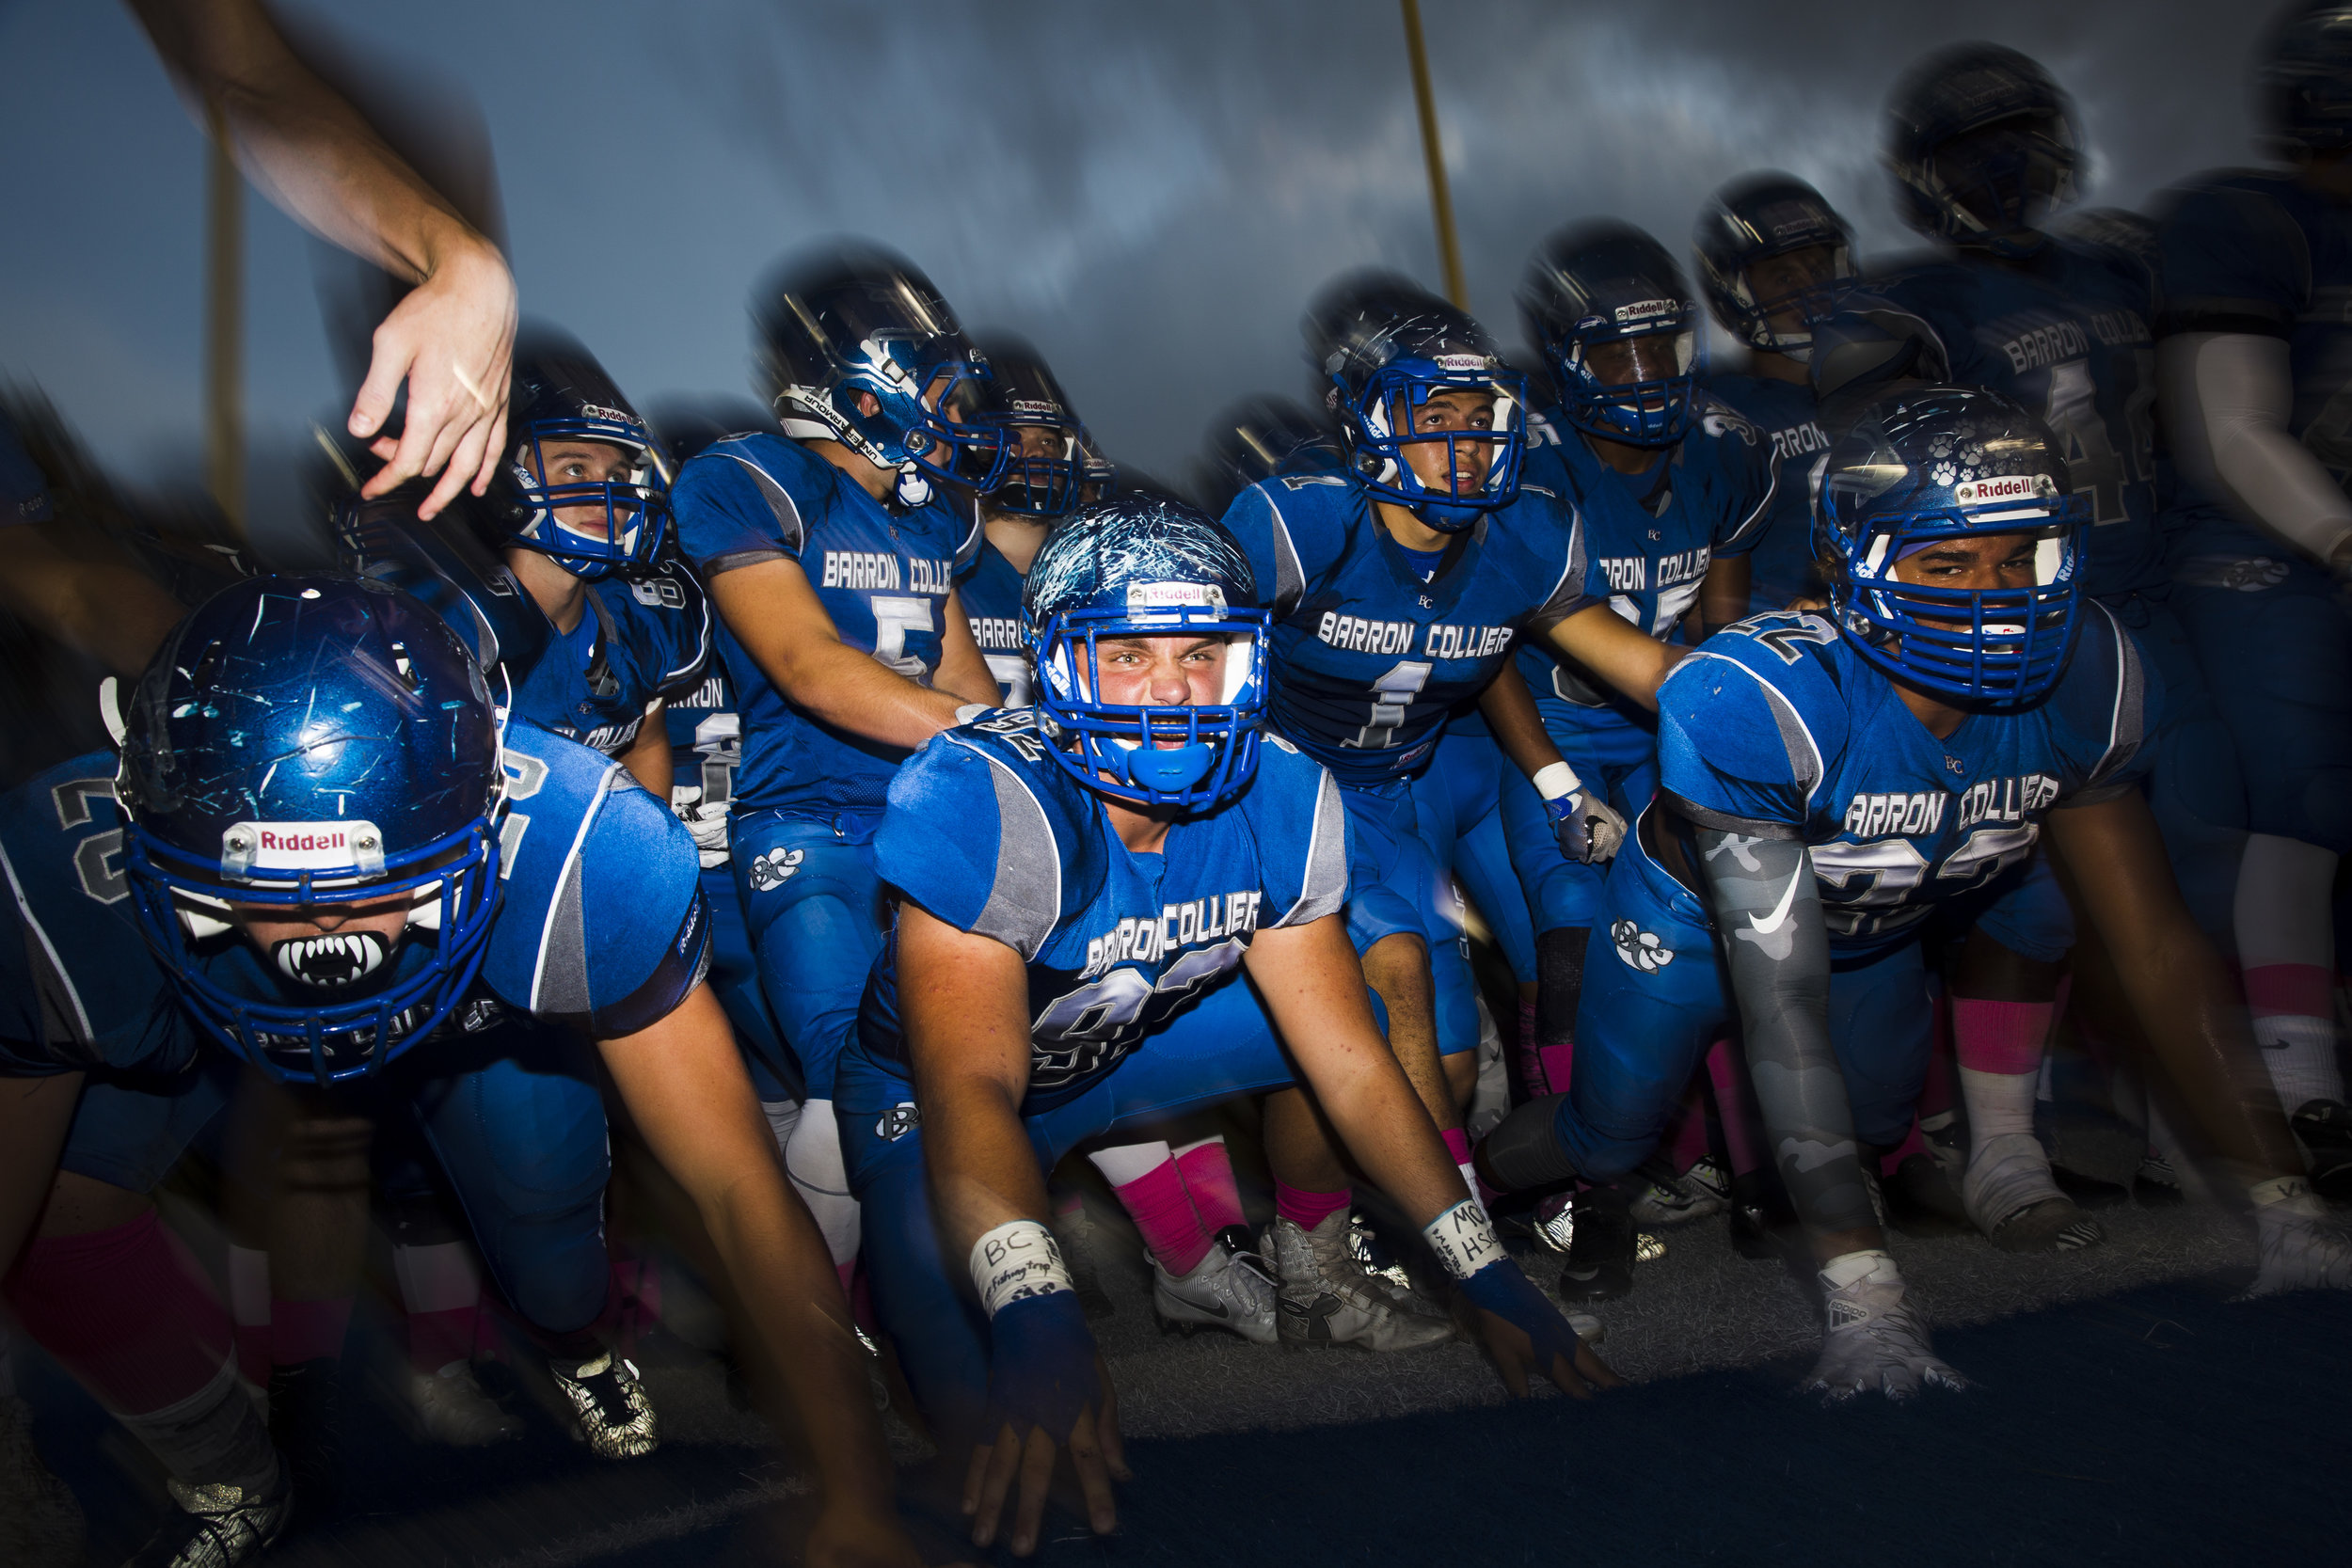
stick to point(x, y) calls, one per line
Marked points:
point(1983, 146)
point(1772, 256)
point(1431, 416)
point(1617, 328)
point(585, 483)
point(1950, 465)
point(1046, 445)
point(1257, 438)
point(300, 747)
point(1141, 567)
point(858, 348)
point(2304, 82)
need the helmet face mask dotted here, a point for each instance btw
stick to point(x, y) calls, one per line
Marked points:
point(860, 349)
point(1045, 449)
point(304, 745)
point(2304, 81)
point(1147, 567)
point(1594, 286)
point(1772, 257)
point(591, 527)
point(1984, 147)
point(1953, 466)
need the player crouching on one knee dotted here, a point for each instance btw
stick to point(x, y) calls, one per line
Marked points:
point(1964, 678)
point(1081, 886)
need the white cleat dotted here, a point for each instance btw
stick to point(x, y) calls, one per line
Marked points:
point(612, 1415)
point(1225, 1290)
point(2012, 1197)
point(451, 1408)
point(2303, 1246)
point(1876, 1341)
point(1327, 1297)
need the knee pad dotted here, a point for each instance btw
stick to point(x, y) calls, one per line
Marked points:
point(1523, 1151)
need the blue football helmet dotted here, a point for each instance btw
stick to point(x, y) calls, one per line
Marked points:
point(2304, 81)
point(1146, 565)
point(1382, 346)
point(1984, 147)
point(847, 320)
point(1259, 437)
point(591, 528)
point(1940, 463)
point(301, 742)
point(1751, 219)
point(1022, 395)
point(1602, 281)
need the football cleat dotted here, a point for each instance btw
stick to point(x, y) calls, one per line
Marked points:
point(1877, 1341)
point(1602, 1247)
point(2303, 1247)
point(1665, 1198)
point(1763, 1226)
point(217, 1525)
point(611, 1414)
point(1226, 1289)
point(451, 1408)
point(2013, 1198)
point(2324, 1127)
point(2088, 1191)
point(1326, 1298)
point(1924, 1200)
point(1365, 1245)
point(40, 1520)
point(2157, 1185)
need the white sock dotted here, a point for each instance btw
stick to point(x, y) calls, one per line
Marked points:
point(783, 1116)
point(2300, 1053)
point(813, 1160)
point(1130, 1161)
point(1999, 1103)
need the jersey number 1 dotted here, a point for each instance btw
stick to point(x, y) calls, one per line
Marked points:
point(1391, 694)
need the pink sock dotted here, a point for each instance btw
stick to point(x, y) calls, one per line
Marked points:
point(1731, 1108)
point(2000, 1036)
point(303, 1331)
point(1304, 1209)
point(125, 1310)
point(437, 1339)
point(1689, 1134)
point(1457, 1144)
point(1171, 1228)
point(2290, 990)
point(1557, 1061)
point(1207, 1169)
point(843, 1272)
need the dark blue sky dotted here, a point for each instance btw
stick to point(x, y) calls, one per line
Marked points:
point(1147, 193)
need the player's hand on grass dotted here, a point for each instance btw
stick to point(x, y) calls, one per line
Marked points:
point(1047, 1390)
point(1524, 1332)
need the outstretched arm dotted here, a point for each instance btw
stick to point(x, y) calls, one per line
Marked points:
point(313, 154)
point(964, 999)
point(683, 1082)
point(778, 618)
point(2227, 397)
point(1617, 651)
point(1314, 990)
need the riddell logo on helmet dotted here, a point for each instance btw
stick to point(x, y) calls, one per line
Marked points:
point(300, 846)
point(2004, 487)
point(1645, 309)
point(597, 411)
point(1459, 363)
point(1174, 595)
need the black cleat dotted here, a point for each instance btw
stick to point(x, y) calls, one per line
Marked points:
point(2324, 1127)
point(219, 1526)
point(1763, 1224)
point(2088, 1191)
point(1923, 1200)
point(1600, 1251)
point(306, 1424)
point(2157, 1185)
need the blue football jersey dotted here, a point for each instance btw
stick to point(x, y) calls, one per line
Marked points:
point(990, 591)
point(1368, 657)
point(706, 738)
point(1648, 538)
point(2067, 333)
point(639, 639)
point(883, 576)
point(990, 834)
point(1776, 726)
point(601, 921)
point(2253, 252)
point(1780, 563)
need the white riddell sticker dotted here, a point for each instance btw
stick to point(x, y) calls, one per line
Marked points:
point(2004, 487)
point(1645, 309)
point(301, 846)
point(597, 411)
point(1174, 596)
point(1458, 363)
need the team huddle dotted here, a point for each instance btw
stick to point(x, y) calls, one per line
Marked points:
point(881, 805)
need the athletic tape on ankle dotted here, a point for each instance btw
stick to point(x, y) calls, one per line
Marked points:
point(1015, 1261)
point(1464, 1239)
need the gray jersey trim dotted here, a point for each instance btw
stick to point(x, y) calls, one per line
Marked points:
point(561, 983)
point(1323, 890)
point(1290, 578)
point(54, 1022)
point(1024, 901)
point(1804, 755)
point(1569, 588)
point(788, 515)
point(2127, 722)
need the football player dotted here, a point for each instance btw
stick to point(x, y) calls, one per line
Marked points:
point(1825, 784)
point(830, 550)
point(1081, 886)
point(1984, 149)
point(353, 875)
point(1772, 255)
point(2254, 366)
point(1672, 489)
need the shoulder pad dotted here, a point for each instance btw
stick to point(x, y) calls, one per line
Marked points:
point(1763, 697)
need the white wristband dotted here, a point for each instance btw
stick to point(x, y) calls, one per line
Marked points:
point(1463, 1238)
point(1554, 780)
point(1016, 1261)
